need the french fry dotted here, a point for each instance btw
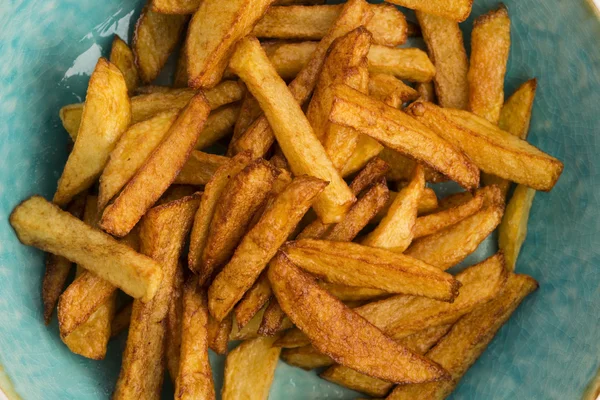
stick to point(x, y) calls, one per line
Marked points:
point(372, 172)
point(219, 333)
point(395, 231)
point(490, 148)
point(261, 243)
point(175, 7)
point(306, 357)
point(426, 91)
point(450, 246)
point(209, 46)
point(208, 204)
point(39, 223)
point(155, 38)
point(356, 265)
point(513, 229)
point(105, 116)
point(353, 342)
point(199, 168)
point(249, 112)
point(455, 200)
point(352, 293)
point(404, 63)
point(173, 334)
point(159, 170)
point(259, 137)
point(294, 134)
point(402, 167)
point(346, 63)
point(250, 330)
point(457, 10)
point(254, 299)
point(427, 204)
point(402, 133)
point(195, 379)
point(70, 116)
point(293, 338)
point(162, 235)
point(121, 320)
point(273, 319)
point(390, 90)
point(468, 338)
point(122, 57)
point(176, 192)
point(219, 124)
point(490, 45)
point(250, 369)
point(388, 24)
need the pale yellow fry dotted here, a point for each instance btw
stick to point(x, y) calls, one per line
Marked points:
point(513, 229)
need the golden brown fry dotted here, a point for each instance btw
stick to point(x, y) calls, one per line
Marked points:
point(209, 45)
point(404, 63)
point(427, 203)
point(174, 6)
point(390, 90)
point(342, 334)
point(250, 369)
point(261, 243)
point(195, 379)
point(457, 10)
point(250, 330)
point(106, 115)
point(293, 131)
point(306, 357)
point(513, 229)
point(219, 124)
point(402, 167)
point(402, 133)
point(176, 192)
point(162, 236)
point(490, 148)
point(174, 322)
point(273, 319)
point(155, 38)
point(454, 200)
point(199, 168)
point(254, 299)
point(426, 91)
point(159, 170)
point(122, 57)
point(356, 265)
point(249, 112)
point(121, 320)
point(352, 293)
point(447, 52)
point(490, 45)
point(218, 333)
point(210, 199)
point(372, 172)
point(468, 338)
point(395, 231)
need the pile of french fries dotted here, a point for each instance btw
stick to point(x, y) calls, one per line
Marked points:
point(315, 238)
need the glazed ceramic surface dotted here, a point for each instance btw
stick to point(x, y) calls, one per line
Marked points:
point(548, 350)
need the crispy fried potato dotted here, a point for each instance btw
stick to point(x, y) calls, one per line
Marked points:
point(372, 172)
point(39, 223)
point(366, 149)
point(513, 229)
point(395, 231)
point(208, 204)
point(162, 237)
point(209, 45)
point(219, 333)
point(352, 293)
point(455, 200)
point(426, 91)
point(254, 299)
point(175, 7)
point(199, 168)
point(174, 322)
point(490, 148)
point(356, 265)
point(490, 45)
point(261, 243)
point(122, 57)
point(457, 10)
point(293, 131)
point(250, 330)
point(404, 63)
point(273, 319)
point(402, 133)
point(106, 115)
point(447, 52)
point(155, 38)
point(402, 167)
point(159, 171)
point(306, 357)
point(388, 24)
point(346, 63)
point(250, 369)
point(468, 338)
point(176, 192)
point(249, 112)
point(219, 124)
point(195, 379)
point(293, 338)
point(342, 334)
point(427, 203)
point(259, 137)
point(70, 116)
point(121, 320)
point(390, 90)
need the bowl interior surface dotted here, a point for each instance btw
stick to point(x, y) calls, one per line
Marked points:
point(549, 349)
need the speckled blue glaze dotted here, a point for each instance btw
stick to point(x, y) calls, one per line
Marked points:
point(548, 350)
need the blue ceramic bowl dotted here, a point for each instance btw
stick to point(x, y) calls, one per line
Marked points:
point(548, 350)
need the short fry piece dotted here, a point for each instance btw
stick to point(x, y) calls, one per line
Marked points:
point(199, 168)
point(106, 115)
point(411, 64)
point(513, 229)
point(390, 90)
point(254, 299)
point(457, 10)
point(122, 57)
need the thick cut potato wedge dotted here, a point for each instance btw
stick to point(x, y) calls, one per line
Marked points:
point(402, 133)
point(457, 10)
point(513, 229)
point(395, 231)
point(402, 167)
point(490, 148)
point(121, 320)
point(195, 379)
point(306, 357)
point(490, 45)
point(254, 299)
point(273, 319)
point(162, 236)
point(174, 323)
point(39, 223)
point(219, 124)
point(159, 171)
point(388, 24)
point(122, 57)
point(199, 168)
point(155, 38)
point(106, 115)
point(390, 90)
point(250, 369)
point(213, 32)
point(261, 243)
point(468, 338)
point(355, 265)
point(342, 334)
point(404, 63)
point(294, 134)
point(447, 52)
point(219, 333)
